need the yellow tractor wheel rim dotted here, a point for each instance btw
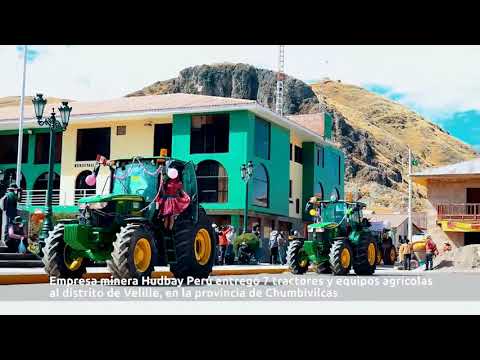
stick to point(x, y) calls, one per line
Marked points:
point(392, 254)
point(142, 255)
point(345, 258)
point(202, 246)
point(371, 254)
point(74, 264)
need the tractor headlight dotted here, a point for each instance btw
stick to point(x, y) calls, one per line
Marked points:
point(320, 230)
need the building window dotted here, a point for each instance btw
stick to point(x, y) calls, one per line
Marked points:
point(8, 153)
point(321, 156)
point(291, 152)
point(42, 148)
point(339, 170)
point(212, 182)
point(290, 190)
point(319, 191)
point(121, 130)
point(209, 134)
point(297, 206)
point(93, 142)
point(162, 139)
point(262, 138)
point(298, 154)
point(260, 186)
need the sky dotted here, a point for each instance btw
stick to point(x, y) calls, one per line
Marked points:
point(442, 83)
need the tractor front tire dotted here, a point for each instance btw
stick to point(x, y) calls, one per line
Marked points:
point(195, 248)
point(365, 259)
point(389, 255)
point(297, 259)
point(340, 257)
point(134, 253)
point(56, 259)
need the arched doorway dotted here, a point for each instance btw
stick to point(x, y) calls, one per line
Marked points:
point(212, 182)
point(82, 189)
point(39, 193)
point(260, 186)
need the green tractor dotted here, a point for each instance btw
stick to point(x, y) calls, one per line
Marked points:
point(338, 240)
point(123, 229)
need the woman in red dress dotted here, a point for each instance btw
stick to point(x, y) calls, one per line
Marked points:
point(173, 200)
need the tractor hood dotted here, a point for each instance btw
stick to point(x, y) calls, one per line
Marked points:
point(320, 226)
point(110, 197)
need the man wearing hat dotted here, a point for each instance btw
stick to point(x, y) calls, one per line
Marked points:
point(9, 205)
point(17, 234)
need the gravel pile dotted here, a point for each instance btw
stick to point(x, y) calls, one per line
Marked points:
point(466, 258)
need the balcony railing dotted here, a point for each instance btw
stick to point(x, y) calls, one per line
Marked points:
point(80, 193)
point(39, 197)
point(465, 212)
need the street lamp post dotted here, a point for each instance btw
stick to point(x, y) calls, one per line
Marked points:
point(246, 172)
point(55, 126)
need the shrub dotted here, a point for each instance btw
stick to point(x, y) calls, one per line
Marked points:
point(252, 241)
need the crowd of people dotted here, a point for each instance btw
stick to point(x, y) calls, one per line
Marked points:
point(277, 244)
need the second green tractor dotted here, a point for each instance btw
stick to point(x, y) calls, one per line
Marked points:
point(339, 240)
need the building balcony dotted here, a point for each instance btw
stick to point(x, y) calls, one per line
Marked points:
point(39, 197)
point(467, 212)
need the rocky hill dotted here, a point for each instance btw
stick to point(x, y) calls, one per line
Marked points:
point(373, 131)
point(238, 81)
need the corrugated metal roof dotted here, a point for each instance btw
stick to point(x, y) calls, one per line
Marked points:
point(469, 167)
point(131, 104)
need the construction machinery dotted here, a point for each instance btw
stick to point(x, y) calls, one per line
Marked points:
point(122, 228)
point(338, 239)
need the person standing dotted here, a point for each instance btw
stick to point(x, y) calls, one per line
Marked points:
point(222, 243)
point(430, 251)
point(282, 247)
point(273, 244)
point(229, 254)
point(406, 248)
point(9, 204)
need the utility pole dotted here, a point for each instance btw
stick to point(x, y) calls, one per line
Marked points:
point(280, 80)
point(409, 194)
point(20, 125)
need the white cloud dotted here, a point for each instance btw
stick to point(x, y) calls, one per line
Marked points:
point(436, 78)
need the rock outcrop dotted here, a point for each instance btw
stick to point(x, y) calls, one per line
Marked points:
point(238, 81)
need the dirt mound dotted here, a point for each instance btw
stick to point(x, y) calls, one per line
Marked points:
point(461, 259)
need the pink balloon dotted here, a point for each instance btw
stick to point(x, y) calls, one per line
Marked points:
point(91, 180)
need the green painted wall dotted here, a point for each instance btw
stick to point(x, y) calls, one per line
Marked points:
point(241, 149)
point(30, 170)
point(329, 176)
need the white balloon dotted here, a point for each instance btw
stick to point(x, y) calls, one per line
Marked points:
point(172, 173)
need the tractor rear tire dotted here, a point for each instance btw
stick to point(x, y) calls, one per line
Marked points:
point(134, 253)
point(297, 259)
point(55, 255)
point(341, 257)
point(389, 255)
point(365, 259)
point(195, 248)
